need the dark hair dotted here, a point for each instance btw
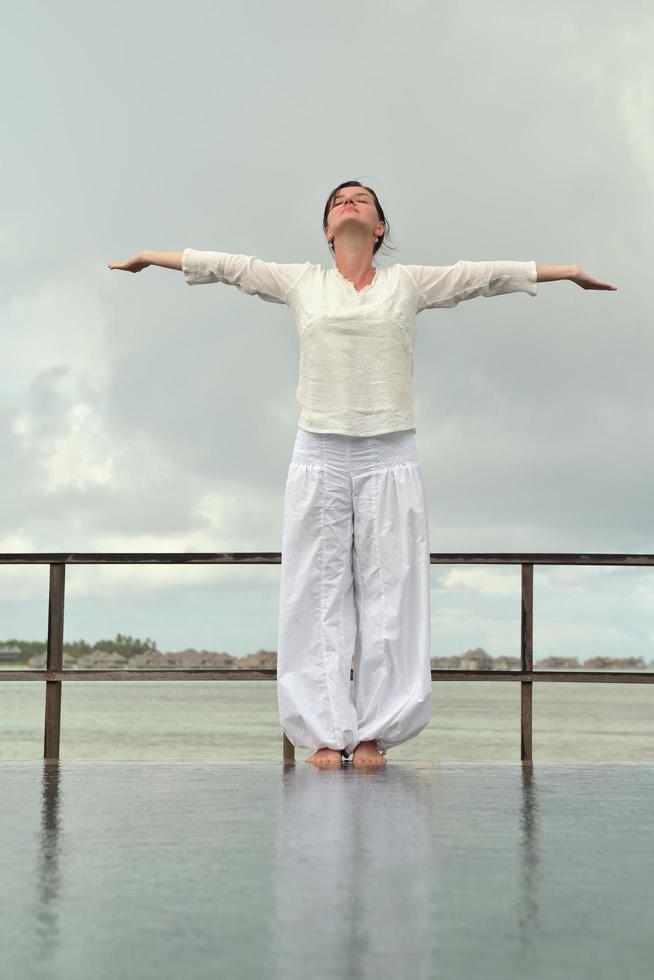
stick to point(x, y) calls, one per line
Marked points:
point(380, 212)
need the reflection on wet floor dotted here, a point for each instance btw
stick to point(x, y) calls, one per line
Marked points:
point(162, 869)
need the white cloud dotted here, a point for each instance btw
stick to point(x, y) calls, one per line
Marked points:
point(636, 106)
point(70, 441)
point(16, 542)
point(616, 63)
point(483, 581)
point(81, 455)
point(635, 97)
point(55, 320)
point(567, 637)
point(142, 580)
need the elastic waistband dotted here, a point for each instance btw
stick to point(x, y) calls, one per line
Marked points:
point(355, 452)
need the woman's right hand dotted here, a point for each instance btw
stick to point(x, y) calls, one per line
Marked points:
point(135, 264)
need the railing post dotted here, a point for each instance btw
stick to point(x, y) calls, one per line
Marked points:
point(55, 650)
point(527, 655)
point(289, 749)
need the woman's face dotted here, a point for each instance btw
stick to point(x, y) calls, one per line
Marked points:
point(353, 205)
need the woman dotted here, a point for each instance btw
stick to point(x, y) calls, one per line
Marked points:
point(355, 573)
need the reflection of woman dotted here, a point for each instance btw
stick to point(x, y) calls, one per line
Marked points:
point(354, 584)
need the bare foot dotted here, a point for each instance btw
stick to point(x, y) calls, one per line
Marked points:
point(367, 754)
point(326, 758)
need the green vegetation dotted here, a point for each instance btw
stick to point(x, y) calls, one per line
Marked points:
point(129, 646)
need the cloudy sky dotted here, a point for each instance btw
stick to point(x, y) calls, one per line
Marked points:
point(138, 414)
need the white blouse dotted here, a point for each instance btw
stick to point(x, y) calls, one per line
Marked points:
point(356, 347)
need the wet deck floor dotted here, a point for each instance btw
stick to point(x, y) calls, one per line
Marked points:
point(256, 870)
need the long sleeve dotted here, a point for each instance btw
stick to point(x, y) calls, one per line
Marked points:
point(447, 285)
point(270, 281)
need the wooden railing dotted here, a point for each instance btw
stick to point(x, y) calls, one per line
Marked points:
point(54, 675)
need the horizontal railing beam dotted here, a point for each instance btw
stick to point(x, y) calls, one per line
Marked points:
point(270, 674)
point(274, 558)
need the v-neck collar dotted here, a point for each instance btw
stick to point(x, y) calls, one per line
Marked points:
point(350, 284)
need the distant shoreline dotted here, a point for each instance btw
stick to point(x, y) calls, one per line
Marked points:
point(128, 653)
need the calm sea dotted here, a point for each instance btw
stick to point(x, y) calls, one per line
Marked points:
point(237, 721)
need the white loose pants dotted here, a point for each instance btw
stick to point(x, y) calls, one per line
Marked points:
point(354, 592)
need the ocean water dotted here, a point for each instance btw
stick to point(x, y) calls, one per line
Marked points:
point(238, 721)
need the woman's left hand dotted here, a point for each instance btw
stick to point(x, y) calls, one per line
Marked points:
point(587, 282)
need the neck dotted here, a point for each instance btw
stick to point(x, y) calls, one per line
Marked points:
point(353, 255)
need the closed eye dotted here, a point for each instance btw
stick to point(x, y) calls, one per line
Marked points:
point(360, 200)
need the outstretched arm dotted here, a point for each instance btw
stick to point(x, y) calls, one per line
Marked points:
point(142, 259)
point(548, 273)
point(271, 281)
